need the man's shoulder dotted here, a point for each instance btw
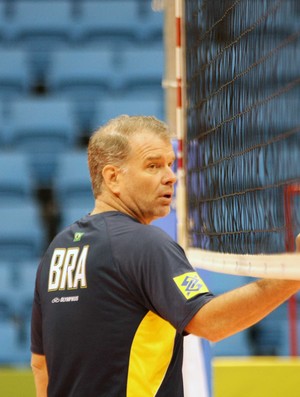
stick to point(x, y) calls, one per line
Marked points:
point(130, 225)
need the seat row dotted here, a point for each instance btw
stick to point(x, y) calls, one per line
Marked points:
point(44, 127)
point(35, 23)
point(89, 71)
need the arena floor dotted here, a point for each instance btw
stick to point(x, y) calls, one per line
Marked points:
point(233, 377)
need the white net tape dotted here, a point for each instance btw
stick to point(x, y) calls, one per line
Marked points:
point(279, 266)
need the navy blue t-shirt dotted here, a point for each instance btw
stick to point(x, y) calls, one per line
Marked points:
point(112, 300)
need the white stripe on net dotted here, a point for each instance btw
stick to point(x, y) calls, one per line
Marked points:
point(279, 266)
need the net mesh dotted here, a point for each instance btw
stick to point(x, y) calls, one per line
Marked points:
point(243, 122)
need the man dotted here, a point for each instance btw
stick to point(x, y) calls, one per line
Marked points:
point(114, 295)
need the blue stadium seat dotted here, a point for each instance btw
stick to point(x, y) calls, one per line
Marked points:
point(141, 70)
point(42, 128)
point(72, 213)
point(270, 336)
point(83, 75)
point(26, 274)
point(39, 27)
point(83, 71)
point(41, 24)
point(15, 349)
point(2, 125)
point(106, 20)
point(110, 107)
point(7, 289)
point(235, 345)
point(16, 182)
point(22, 235)
point(3, 21)
point(15, 77)
point(151, 22)
point(72, 186)
point(16, 290)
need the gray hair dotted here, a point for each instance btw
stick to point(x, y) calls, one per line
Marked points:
point(110, 144)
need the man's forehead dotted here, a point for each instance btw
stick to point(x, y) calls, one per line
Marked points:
point(151, 146)
point(145, 137)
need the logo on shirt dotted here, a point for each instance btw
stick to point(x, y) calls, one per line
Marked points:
point(78, 236)
point(65, 299)
point(190, 284)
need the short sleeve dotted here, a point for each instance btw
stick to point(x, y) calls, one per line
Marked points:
point(164, 280)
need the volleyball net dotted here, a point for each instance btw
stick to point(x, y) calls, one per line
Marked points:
point(241, 146)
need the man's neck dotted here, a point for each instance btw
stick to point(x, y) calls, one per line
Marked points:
point(102, 206)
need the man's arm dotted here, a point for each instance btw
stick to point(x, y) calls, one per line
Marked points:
point(240, 308)
point(40, 374)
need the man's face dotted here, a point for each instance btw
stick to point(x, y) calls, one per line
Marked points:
point(147, 184)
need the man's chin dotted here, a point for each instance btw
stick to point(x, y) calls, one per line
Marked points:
point(165, 212)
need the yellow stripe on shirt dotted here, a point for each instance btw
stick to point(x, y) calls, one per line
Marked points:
point(150, 356)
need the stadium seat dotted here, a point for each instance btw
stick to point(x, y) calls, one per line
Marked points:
point(72, 213)
point(270, 336)
point(72, 186)
point(2, 125)
point(14, 349)
point(16, 294)
point(22, 235)
point(39, 27)
point(16, 182)
point(151, 22)
point(42, 128)
point(26, 274)
point(107, 20)
point(84, 71)
point(7, 287)
point(40, 24)
point(235, 345)
point(111, 107)
point(83, 75)
point(140, 70)
point(15, 77)
point(3, 21)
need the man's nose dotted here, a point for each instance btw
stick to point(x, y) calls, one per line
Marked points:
point(170, 176)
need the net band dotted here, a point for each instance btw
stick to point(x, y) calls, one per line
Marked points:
point(279, 266)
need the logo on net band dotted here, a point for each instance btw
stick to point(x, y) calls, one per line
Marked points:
point(190, 284)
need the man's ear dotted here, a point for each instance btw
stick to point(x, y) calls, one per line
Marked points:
point(110, 175)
